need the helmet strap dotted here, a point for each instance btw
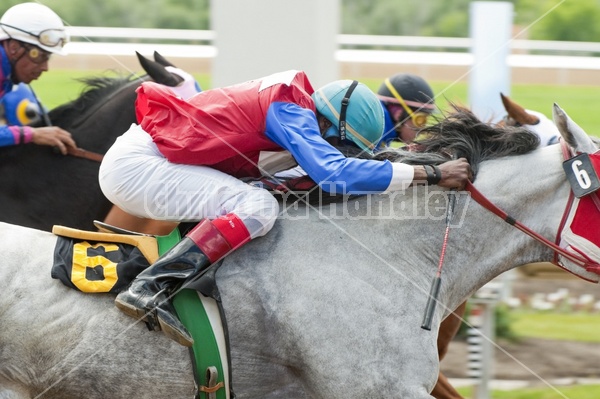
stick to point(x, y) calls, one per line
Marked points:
point(345, 101)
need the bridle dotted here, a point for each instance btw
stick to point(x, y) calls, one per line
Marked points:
point(577, 258)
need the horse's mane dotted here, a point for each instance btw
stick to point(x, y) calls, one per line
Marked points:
point(97, 91)
point(458, 134)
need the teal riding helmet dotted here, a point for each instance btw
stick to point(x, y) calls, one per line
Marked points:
point(364, 121)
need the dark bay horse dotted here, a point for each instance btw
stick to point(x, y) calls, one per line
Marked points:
point(41, 188)
point(329, 304)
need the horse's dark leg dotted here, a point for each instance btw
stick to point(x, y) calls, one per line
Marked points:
point(444, 390)
point(119, 218)
point(448, 329)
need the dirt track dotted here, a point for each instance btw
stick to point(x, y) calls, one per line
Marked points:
point(532, 359)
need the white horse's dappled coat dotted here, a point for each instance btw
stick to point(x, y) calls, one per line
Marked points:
point(321, 307)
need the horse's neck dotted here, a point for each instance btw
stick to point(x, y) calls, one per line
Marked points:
point(533, 190)
point(404, 234)
point(385, 249)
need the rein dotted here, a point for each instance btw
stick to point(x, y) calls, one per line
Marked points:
point(76, 152)
point(81, 153)
point(579, 260)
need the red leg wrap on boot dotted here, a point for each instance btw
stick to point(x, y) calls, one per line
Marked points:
point(215, 239)
point(233, 229)
point(210, 240)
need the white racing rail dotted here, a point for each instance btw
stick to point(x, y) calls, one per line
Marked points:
point(376, 49)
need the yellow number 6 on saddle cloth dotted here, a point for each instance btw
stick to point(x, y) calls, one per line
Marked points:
point(99, 262)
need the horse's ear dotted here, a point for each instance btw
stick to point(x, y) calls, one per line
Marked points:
point(158, 72)
point(517, 112)
point(574, 135)
point(161, 60)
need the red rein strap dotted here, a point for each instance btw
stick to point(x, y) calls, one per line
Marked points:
point(567, 154)
point(81, 153)
point(487, 204)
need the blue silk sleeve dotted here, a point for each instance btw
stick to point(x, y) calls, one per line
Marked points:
point(296, 129)
point(6, 136)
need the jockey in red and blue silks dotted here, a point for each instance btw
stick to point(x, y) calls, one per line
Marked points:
point(182, 163)
point(29, 34)
point(407, 101)
point(230, 129)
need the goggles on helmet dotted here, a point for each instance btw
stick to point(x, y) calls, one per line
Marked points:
point(418, 118)
point(48, 37)
point(35, 54)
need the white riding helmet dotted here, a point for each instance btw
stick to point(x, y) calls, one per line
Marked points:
point(36, 24)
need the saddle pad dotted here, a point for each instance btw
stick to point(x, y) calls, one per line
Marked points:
point(98, 262)
point(96, 267)
point(148, 245)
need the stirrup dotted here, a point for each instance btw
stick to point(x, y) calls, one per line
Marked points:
point(155, 322)
point(151, 310)
point(151, 320)
point(180, 335)
point(147, 314)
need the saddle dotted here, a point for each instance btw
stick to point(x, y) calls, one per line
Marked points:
point(147, 244)
point(106, 261)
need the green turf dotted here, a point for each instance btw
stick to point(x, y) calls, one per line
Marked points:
point(562, 326)
point(572, 392)
point(578, 101)
point(572, 326)
point(56, 87)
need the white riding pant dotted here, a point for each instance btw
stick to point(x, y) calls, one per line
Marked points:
point(136, 177)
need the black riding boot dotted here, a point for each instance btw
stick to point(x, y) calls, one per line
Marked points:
point(148, 297)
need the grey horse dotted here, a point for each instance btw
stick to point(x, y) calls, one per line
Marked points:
point(328, 305)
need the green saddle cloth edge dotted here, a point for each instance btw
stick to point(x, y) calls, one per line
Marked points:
point(192, 314)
